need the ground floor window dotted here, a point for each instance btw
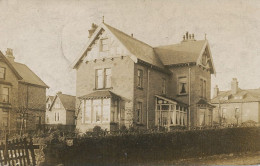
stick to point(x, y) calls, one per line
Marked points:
point(99, 110)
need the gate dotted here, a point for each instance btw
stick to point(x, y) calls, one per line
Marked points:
point(17, 152)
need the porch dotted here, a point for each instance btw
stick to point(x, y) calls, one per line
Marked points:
point(169, 112)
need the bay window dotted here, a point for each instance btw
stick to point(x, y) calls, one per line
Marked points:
point(97, 111)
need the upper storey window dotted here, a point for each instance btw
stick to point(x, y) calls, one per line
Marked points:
point(182, 85)
point(2, 72)
point(104, 44)
point(103, 78)
point(140, 78)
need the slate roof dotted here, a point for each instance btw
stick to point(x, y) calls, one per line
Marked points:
point(100, 94)
point(68, 101)
point(184, 52)
point(249, 95)
point(28, 75)
point(172, 99)
point(138, 48)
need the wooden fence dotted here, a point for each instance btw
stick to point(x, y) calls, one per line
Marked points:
point(17, 152)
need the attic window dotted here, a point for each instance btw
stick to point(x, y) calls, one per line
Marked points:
point(104, 44)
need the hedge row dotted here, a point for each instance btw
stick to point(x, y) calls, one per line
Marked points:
point(141, 148)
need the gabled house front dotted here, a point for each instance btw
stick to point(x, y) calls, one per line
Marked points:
point(122, 81)
point(22, 96)
point(60, 109)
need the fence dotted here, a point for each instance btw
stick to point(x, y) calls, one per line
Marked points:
point(17, 152)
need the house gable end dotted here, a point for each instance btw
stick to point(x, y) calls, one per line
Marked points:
point(205, 58)
point(103, 44)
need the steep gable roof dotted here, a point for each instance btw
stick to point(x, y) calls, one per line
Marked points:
point(68, 101)
point(28, 75)
point(184, 52)
point(3, 58)
point(138, 48)
point(23, 73)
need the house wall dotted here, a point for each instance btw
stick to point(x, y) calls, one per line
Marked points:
point(70, 120)
point(195, 75)
point(10, 82)
point(33, 98)
point(122, 81)
point(248, 111)
point(140, 94)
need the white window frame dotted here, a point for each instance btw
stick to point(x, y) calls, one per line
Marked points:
point(180, 84)
point(140, 77)
point(139, 112)
point(2, 72)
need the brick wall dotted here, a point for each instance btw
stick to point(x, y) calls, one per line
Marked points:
point(155, 88)
point(195, 75)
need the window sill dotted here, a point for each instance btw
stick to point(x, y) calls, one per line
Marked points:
point(97, 89)
point(138, 87)
point(179, 95)
point(139, 124)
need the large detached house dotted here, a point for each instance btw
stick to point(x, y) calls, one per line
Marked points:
point(22, 95)
point(122, 81)
point(60, 109)
point(236, 106)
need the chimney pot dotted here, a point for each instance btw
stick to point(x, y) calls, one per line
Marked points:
point(183, 37)
point(187, 35)
point(132, 35)
point(92, 30)
point(193, 36)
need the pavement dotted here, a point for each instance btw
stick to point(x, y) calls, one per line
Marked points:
point(249, 158)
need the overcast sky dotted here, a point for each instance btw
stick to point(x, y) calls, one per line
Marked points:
point(48, 35)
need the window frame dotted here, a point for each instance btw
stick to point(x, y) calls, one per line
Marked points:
point(102, 44)
point(179, 85)
point(139, 111)
point(97, 79)
point(4, 73)
point(107, 76)
point(140, 77)
point(163, 86)
point(5, 95)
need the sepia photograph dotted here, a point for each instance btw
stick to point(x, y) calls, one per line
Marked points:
point(129, 82)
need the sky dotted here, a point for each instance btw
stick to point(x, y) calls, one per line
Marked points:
point(48, 35)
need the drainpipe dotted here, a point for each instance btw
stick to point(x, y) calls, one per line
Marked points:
point(189, 95)
point(147, 101)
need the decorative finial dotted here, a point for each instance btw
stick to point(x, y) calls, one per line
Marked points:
point(205, 36)
point(103, 19)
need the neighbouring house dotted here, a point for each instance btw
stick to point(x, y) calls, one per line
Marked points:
point(236, 106)
point(122, 81)
point(22, 95)
point(60, 109)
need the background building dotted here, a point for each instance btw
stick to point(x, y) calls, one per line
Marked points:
point(124, 81)
point(60, 109)
point(22, 95)
point(236, 106)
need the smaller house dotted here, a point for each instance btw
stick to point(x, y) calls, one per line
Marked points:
point(60, 109)
point(236, 106)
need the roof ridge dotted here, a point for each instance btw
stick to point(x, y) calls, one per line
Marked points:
point(179, 43)
point(66, 95)
point(128, 35)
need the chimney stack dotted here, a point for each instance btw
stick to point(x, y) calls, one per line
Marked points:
point(132, 35)
point(188, 37)
point(92, 30)
point(9, 55)
point(216, 91)
point(59, 92)
point(234, 86)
